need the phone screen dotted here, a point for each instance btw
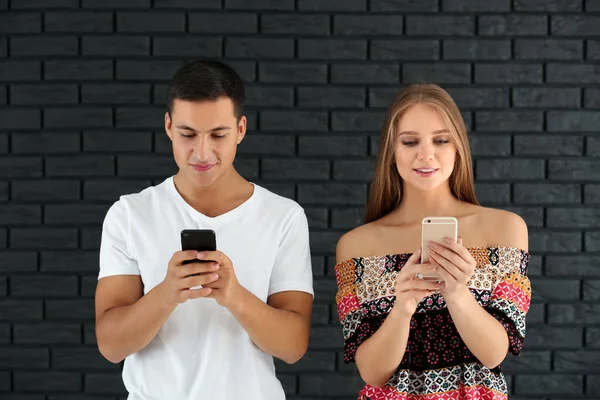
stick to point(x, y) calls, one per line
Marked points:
point(199, 240)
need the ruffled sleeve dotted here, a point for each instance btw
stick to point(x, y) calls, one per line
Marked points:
point(355, 326)
point(511, 294)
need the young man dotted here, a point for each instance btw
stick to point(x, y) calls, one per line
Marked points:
point(204, 330)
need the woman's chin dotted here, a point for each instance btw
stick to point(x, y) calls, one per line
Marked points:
point(426, 186)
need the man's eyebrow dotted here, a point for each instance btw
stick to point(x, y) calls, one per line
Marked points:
point(215, 129)
point(186, 128)
point(220, 128)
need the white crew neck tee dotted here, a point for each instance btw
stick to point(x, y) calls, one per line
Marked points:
point(201, 351)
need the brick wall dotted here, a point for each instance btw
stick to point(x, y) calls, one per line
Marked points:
point(82, 88)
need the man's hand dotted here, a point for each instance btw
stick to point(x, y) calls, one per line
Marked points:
point(226, 289)
point(181, 277)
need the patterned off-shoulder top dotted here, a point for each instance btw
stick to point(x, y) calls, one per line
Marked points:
point(436, 364)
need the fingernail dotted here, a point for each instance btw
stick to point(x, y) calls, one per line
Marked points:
point(200, 256)
point(447, 240)
point(215, 277)
point(215, 266)
point(433, 245)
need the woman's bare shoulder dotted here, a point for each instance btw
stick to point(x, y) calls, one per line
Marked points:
point(357, 242)
point(504, 228)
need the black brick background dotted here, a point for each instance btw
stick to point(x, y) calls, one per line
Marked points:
point(82, 88)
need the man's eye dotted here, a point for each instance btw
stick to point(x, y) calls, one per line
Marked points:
point(186, 136)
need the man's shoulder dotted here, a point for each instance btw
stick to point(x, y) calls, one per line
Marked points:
point(277, 205)
point(145, 196)
point(139, 201)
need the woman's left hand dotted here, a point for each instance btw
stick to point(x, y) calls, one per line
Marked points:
point(454, 263)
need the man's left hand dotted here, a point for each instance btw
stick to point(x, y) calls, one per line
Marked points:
point(226, 288)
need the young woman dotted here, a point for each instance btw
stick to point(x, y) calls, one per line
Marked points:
point(415, 339)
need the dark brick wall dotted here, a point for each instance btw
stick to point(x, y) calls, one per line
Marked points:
point(82, 86)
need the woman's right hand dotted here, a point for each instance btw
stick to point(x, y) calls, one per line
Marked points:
point(409, 289)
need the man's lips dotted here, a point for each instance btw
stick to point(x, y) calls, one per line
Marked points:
point(202, 167)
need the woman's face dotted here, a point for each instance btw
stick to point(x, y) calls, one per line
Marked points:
point(424, 150)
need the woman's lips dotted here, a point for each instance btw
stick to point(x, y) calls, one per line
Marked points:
point(426, 172)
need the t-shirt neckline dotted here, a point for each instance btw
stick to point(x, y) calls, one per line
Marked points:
point(198, 216)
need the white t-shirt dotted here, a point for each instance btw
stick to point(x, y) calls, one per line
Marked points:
point(202, 352)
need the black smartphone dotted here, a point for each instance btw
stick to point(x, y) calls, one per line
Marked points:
point(199, 240)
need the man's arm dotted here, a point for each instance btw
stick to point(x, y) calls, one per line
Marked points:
point(281, 327)
point(127, 320)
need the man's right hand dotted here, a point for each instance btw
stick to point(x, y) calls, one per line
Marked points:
point(181, 277)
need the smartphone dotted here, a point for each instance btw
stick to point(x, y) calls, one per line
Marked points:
point(199, 240)
point(435, 229)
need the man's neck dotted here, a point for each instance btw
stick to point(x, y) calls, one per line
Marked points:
point(225, 194)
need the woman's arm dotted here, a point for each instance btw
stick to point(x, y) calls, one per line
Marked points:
point(482, 333)
point(378, 357)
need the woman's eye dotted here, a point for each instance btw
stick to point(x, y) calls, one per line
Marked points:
point(442, 141)
point(413, 143)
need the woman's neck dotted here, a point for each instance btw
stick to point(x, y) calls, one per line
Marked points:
point(418, 204)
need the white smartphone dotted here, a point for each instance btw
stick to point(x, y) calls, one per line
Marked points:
point(435, 229)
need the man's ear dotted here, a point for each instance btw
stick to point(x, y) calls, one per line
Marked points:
point(168, 124)
point(242, 125)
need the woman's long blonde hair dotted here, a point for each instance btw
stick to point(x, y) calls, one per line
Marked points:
point(386, 189)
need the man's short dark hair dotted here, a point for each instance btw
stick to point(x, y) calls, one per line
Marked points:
point(207, 80)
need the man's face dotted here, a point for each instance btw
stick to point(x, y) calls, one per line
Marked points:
point(205, 136)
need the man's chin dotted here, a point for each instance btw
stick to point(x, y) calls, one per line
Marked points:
point(201, 180)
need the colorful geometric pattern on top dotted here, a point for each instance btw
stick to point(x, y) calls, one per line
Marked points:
point(437, 365)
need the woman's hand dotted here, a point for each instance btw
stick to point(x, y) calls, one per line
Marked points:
point(410, 290)
point(454, 263)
